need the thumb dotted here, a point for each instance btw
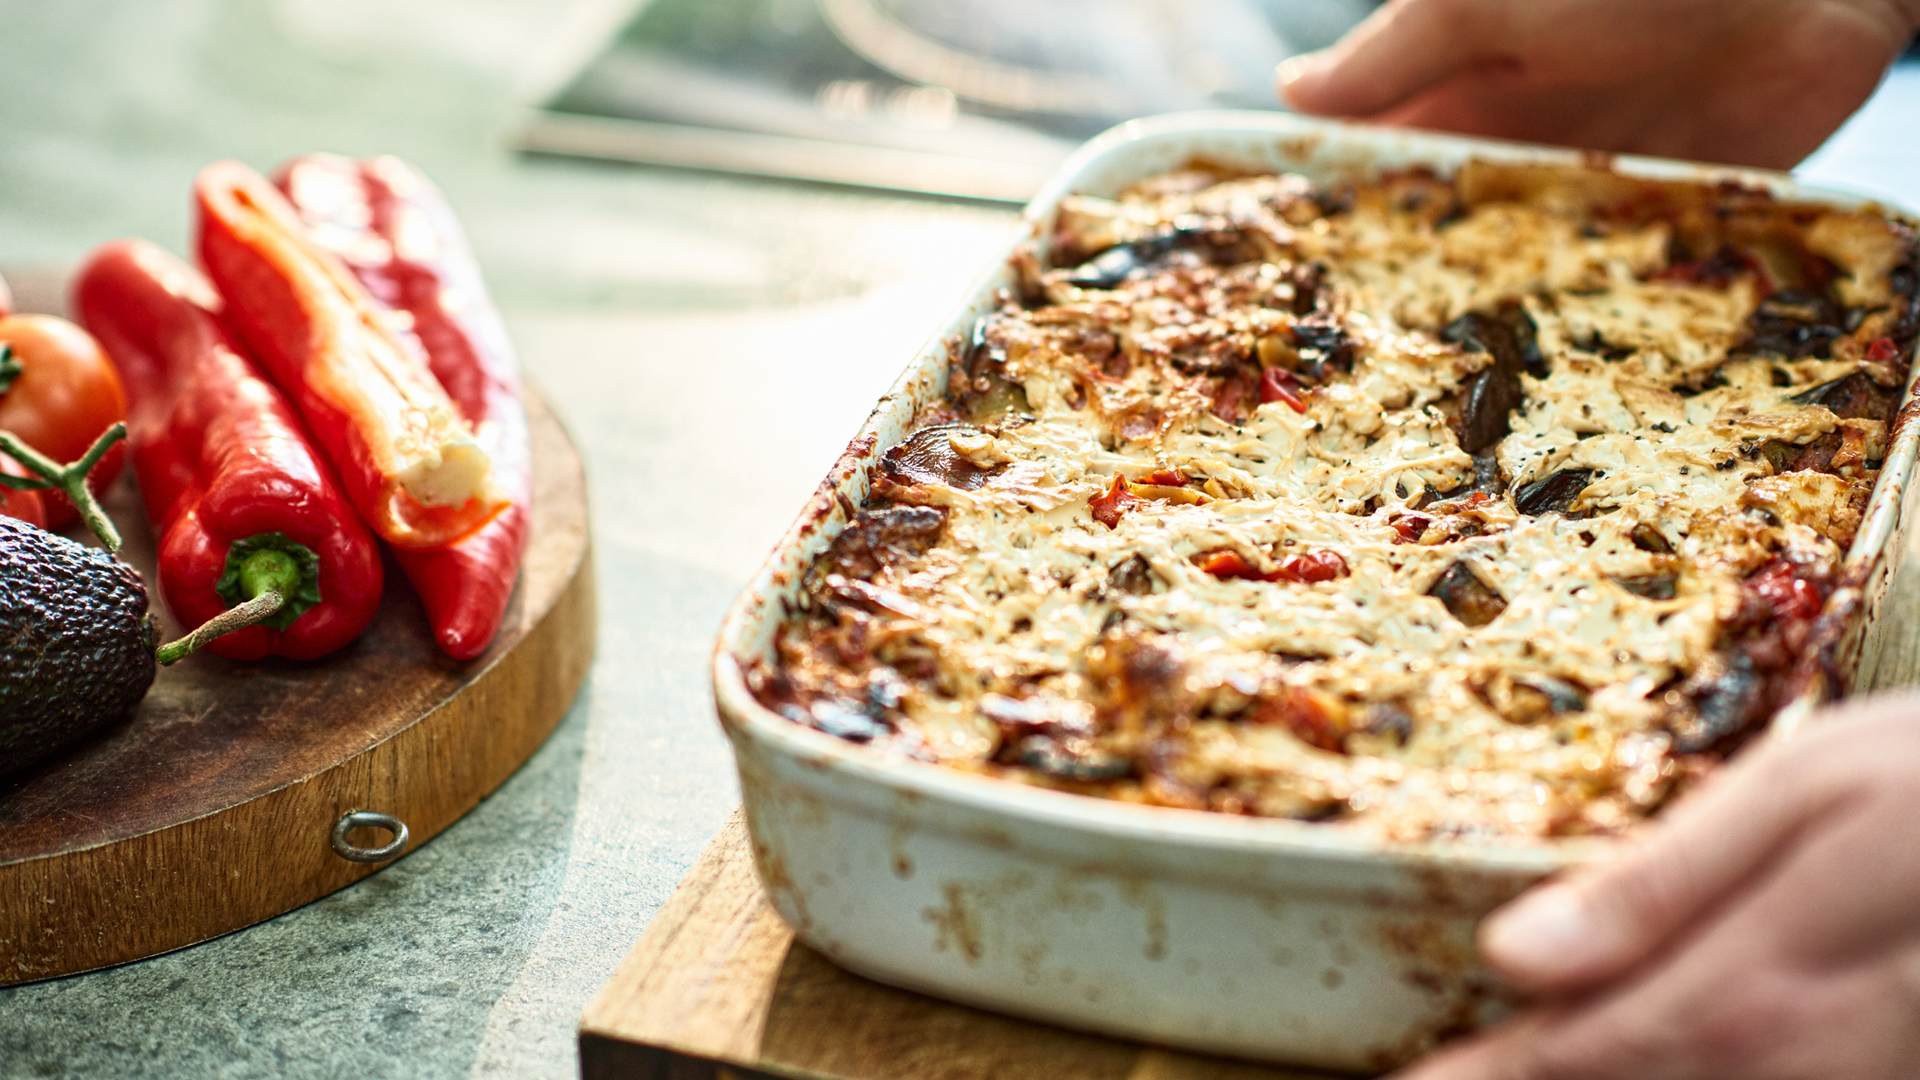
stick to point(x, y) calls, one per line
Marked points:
point(1398, 51)
point(1573, 934)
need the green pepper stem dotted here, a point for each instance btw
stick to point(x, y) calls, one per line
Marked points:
point(234, 618)
point(69, 479)
point(268, 577)
point(269, 570)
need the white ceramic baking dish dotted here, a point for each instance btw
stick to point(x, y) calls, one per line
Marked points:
point(1265, 939)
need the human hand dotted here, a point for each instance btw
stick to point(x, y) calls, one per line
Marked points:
point(1767, 928)
point(1748, 82)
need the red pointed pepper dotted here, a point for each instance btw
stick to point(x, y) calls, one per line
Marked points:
point(233, 486)
point(392, 228)
point(405, 457)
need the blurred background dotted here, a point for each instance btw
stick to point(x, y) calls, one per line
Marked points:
point(982, 98)
point(711, 337)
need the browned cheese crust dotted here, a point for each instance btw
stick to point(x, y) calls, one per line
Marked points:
point(1491, 506)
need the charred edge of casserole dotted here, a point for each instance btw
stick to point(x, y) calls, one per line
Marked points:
point(857, 665)
point(1784, 638)
point(859, 648)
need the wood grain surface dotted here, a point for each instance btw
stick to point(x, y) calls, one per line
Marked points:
point(213, 808)
point(717, 987)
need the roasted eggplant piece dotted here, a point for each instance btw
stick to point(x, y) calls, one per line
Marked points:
point(1490, 396)
point(1111, 268)
point(1486, 477)
point(1324, 347)
point(1558, 696)
point(1386, 720)
point(1469, 599)
point(1071, 759)
point(881, 537)
point(1729, 699)
point(977, 379)
point(1553, 494)
point(1532, 697)
point(1795, 323)
point(841, 719)
point(1651, 586)
point(928, 456)
point(1649, 539)
point(1508, 334)
point(1133, 575)
point(1485, 416)
point(1854, 396)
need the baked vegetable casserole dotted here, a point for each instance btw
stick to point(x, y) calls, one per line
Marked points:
point(1491, 506)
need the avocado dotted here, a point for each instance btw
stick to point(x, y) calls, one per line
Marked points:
point(76, 643)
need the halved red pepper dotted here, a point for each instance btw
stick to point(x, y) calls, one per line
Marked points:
point(394, 230)
point(406, 458)
point(235, 490)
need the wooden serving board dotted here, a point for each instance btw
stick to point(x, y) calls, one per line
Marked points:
point(718, 988)
point(214, 808)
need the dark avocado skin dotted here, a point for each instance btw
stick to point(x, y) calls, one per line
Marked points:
point(76, 653)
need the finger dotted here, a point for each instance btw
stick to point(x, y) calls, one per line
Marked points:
point(1507, 1052)
point(1597, 923)
point(1401, 49)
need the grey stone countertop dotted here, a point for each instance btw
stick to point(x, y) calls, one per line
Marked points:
point(710, 341)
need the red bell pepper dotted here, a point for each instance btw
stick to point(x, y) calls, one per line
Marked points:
point(392, 228)
point(407, 460)
point(236, 492)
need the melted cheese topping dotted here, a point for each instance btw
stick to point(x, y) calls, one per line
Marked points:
point(1363, 698)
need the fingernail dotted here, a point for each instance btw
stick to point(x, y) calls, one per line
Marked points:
point(1545, 930)
point(1293, 69)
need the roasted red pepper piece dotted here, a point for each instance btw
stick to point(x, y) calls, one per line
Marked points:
point(392, 228)
point(1305, 714)
point(1230, 565)
point(224, 467)
point(1108, 506)
point(1785, 594)
point(1314, 566)
point(1311, 567)
point(405, 457)
point(1411, 527)
point(1277, 384)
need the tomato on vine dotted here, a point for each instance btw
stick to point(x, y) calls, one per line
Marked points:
point(58, 393)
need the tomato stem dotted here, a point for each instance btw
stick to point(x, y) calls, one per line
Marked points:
point(70, 479)
point(10, 368)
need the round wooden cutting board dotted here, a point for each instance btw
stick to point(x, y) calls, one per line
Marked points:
point(214, 808)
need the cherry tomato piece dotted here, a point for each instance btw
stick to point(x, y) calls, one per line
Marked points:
point(65, 394)
point(27, 506)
